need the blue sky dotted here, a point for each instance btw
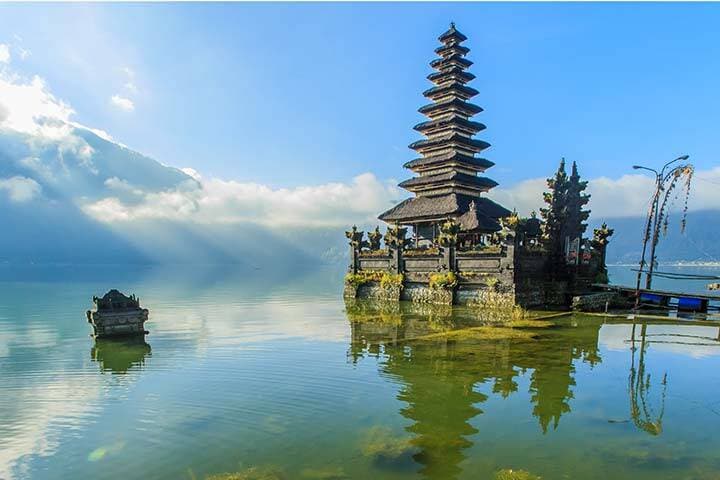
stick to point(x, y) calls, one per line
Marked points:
point(295, 94)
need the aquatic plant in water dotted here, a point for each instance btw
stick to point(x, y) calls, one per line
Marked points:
point(252, 473)
point(479, 333)
point(496, 305)
point(510, 474)
point(324, 473)
point(379, 443)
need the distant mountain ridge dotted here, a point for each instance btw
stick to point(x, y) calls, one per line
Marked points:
point(699, 244)
point(82, 167)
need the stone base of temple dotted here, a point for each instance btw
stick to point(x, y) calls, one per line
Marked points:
point(116, 324)
point(599, 302)
point(422, 293)
point(475, 294)
point(508, 273)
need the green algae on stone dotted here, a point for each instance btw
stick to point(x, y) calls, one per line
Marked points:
point(479, 333)
point(530, 323)
point(510, 474)
point(252, 473)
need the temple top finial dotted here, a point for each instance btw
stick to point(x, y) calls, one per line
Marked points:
point(452, 35)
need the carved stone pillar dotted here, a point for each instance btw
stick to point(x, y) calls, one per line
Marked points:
point(448, 258)
point(354, 254)
point(395, 259)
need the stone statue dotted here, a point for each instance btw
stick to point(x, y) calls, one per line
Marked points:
point(374, 238)
point(395, 237)
point(448, 233)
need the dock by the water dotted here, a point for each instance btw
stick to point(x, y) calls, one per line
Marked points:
point(682, 301)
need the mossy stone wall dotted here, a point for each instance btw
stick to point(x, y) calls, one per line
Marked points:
point(422, 293)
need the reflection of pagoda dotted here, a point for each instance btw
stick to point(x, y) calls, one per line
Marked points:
point(440, 378)
point(448, 185)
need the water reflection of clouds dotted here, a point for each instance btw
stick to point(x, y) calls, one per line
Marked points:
point(689, 340)
point(42, 413)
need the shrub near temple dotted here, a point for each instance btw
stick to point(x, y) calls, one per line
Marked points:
point(363, 277)
point(443, 280)
point(386, 279)
point(390, 280)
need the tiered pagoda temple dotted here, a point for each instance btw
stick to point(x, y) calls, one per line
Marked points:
point(463, 247)
point(450, 177)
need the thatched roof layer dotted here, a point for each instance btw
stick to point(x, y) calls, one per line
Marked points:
point(440, 207)
point(453, 157)
point(451, 177)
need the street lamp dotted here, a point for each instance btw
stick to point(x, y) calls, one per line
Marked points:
point(652, 224)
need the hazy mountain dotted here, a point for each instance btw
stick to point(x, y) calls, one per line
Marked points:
point(81, 166)
point(699, 243)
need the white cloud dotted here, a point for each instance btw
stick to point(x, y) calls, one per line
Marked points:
point(30, 108)
point(220, 201)
point(675, 339)
point(627, 196)
point(115, 183)
point(4, 53)
point(191, 172)
point(130, 87)
point(223, 202)
point(23, 53)
point(20, 189)
point(122, 103)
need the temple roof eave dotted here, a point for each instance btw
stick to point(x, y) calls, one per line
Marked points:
point(458, 89)
point(478, 163)
point(451, 178)
point(454, 48)
point(454, 104)
point(436, 208)
point(467, 143)
point(455, 73)
point(443, 63)
point(454, 121)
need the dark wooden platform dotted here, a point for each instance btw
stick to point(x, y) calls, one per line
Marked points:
point(687, 302)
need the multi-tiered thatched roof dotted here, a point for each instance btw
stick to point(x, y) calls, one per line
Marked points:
point(448, 184)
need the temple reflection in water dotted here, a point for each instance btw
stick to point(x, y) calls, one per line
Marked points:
point(120, 355)
point(442, 378)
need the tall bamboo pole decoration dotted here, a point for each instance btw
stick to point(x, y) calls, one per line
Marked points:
point(657, 215)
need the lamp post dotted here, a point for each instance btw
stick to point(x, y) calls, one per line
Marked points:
point(652, 224)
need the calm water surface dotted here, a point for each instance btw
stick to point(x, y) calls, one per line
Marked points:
point(276, 371)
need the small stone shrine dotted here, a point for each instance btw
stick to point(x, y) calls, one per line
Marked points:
point(116, 315)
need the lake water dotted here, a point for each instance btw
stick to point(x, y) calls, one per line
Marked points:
point(274, 376)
